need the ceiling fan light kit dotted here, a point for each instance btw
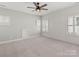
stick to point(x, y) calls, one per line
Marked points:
point(37, 7)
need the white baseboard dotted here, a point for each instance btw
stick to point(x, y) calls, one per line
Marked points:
point(10, 41)
point(49, 37)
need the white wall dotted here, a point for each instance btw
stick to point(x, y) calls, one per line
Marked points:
point(58, 24)
point(19, 21)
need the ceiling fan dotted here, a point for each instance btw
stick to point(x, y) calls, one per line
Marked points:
point(38, 7)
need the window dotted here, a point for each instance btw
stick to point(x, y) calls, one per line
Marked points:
point(38, 24)
point(70, 24)
point(73, 24)
point(4, 20)
point(44, 25)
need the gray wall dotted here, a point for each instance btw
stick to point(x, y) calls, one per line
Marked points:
point(19, 21)
point(58, 24)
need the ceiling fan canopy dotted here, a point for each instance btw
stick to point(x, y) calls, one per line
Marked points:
point(38, 7)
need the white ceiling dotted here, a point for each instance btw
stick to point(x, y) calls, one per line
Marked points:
point(22, 6)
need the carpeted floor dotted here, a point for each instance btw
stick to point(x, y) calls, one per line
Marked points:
point(38, 47)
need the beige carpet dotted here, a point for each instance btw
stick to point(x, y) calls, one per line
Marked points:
point(38, 47)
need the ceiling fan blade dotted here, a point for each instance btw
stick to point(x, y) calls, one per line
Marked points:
point(44, 9)
point(35, 3)
point(44, 5)
point(31, 7)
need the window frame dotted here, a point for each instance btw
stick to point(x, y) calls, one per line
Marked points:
point(73, 25)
